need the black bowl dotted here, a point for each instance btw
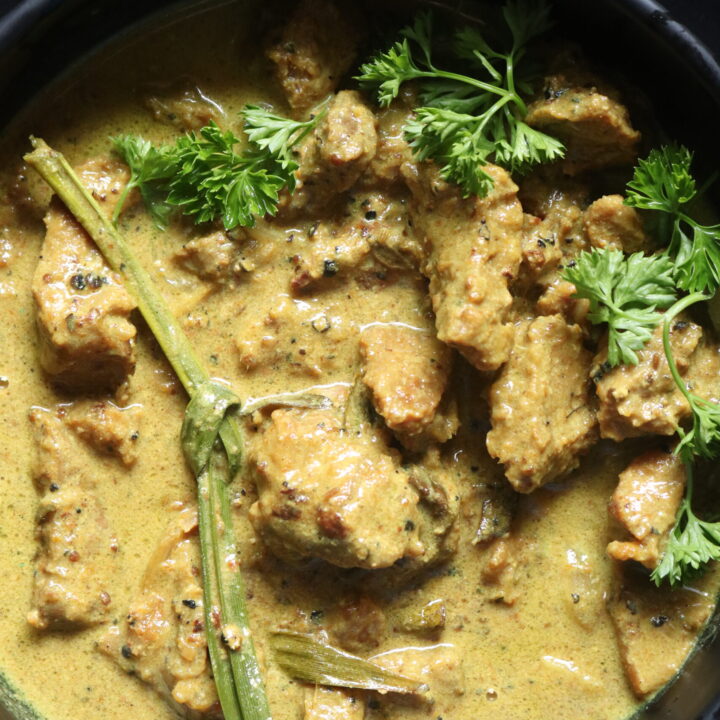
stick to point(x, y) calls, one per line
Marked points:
point(639, 41)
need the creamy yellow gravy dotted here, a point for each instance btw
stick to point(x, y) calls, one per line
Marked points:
point(540, 657)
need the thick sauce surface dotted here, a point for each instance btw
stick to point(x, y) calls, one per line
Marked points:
point(510, 648)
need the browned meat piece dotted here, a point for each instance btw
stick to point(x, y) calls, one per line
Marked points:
point(316, 48)
point(643, 399)
point(500, 571)
point(656, 630)
point(609, 223)
point(328, 493)
point(77, 551)
point(184, 106)
point(110, 429)
point(336, 154)
point(325, 703)
point(87, 342)
point(371, 235)
point(440, 667)
point(559, 299)
point(594, 126)
point(161, 639)
point(540, 425)
point(473, 252)
point(357, 624)
point(645, 503)
point(549, 241)
point(393, 151)
point(214, 257)
point(407, 372)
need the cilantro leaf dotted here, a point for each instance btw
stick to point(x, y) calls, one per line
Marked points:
point(467, 121)
point(626, 293)
point(663, 183)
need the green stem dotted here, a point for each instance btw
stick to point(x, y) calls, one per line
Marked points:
point(488, 87)
point(214, 511)
point(670, 315)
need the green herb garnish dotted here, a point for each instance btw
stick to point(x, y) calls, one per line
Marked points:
point(662, 182)
point(209, 177)
point(466, 121)
point(626, 293)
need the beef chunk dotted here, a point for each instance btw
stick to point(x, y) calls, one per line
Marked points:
point(594, 126)
point(407, 373)
point(316, 48)
point(108, 428)
point(643, 399)
point(77, 550)
point(541, 425)
point(214, 257)
point(326, 703)
point(609, 223)
point(183, 105)
point(656, 630)
point(335, 155)
point(87, 342)
point(645, 503)
point(472, 248)
point(329, 493)
point(161, 639)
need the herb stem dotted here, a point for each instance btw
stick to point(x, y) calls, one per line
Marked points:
point(670, 315)
point(222, 582)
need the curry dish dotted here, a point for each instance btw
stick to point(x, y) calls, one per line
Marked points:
point(478, 499)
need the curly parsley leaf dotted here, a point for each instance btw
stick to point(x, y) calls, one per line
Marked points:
point(150, 168)
point(626, 293)
point(209, 177)
point(663, 183)
point(214, 181)
point(467, 121)
point(692, 544)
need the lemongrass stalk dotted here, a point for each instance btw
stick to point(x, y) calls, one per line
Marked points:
point(245, 698)
point(306, 658)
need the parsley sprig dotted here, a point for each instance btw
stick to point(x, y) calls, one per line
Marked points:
point(466, 121)
point(663, 183)
point(210, 176)
point(692, 543)
point(626, 293)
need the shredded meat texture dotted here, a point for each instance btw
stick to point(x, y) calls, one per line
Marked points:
point(645, 503)
point(407, 373)
point(86, 338)
point(473, 251)
point(316, 48)
point(655, 629)
point(77, 550)
point(331, 493)
point(609, 223)
point(162, 639)
point(541, 426)
point(334, 156)
point(107, 427)
point(643, 399)
point(326, 703)
point(594, 126)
